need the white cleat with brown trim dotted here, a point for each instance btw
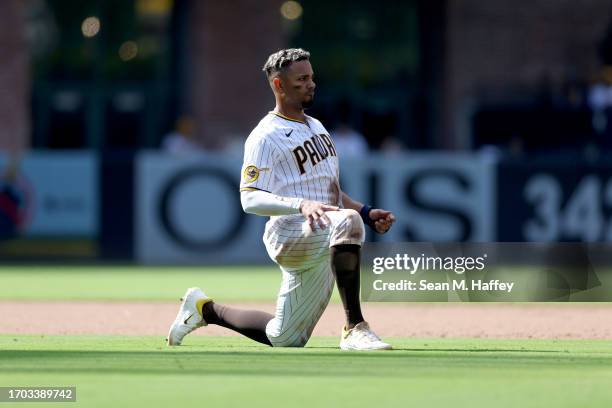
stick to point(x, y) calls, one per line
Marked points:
point(361, 337)
point(189, 316)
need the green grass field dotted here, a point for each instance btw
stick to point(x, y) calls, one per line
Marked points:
point(235, 372)
point(232, 372)
point(232, 284)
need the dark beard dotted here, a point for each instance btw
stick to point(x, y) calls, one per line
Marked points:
point(307, 104)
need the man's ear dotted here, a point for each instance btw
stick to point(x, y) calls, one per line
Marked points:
point(277, 84)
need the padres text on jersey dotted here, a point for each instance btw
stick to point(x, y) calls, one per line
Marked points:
point(291, 158)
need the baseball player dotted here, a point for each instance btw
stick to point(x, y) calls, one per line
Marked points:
point(290, 173)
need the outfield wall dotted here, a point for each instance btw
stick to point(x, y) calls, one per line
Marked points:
point(189, 210)
point(49, 205)
point(154, 208)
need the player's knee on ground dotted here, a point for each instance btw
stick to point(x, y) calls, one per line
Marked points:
point(288, 341)
point(350, 230)
point(296, 336)
point(292, 343)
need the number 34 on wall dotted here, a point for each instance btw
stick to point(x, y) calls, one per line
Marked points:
point(576, 214)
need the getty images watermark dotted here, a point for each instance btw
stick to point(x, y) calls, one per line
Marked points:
point(413, 264)
point(488, 272)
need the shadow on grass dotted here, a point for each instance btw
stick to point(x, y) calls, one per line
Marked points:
point(295, 362)
point(462, 350)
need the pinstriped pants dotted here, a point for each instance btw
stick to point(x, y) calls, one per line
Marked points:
point(307, 279)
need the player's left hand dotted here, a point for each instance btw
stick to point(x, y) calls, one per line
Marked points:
point(382, 219)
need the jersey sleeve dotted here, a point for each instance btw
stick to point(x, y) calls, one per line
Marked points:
point(260, 157)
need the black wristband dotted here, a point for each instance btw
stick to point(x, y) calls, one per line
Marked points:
point(365, 216)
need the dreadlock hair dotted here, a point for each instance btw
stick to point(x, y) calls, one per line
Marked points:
point(282, 59)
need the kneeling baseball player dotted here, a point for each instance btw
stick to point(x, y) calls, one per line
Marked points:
point(290, 173)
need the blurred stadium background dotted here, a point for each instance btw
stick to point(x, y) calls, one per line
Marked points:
point(122, 122)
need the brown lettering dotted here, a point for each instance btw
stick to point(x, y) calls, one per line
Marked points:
point(316, 140)
point(300, 157)
point(329, 144)
point(314, 156)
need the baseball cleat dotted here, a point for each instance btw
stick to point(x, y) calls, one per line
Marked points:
point(361, 337)
point(189, 316)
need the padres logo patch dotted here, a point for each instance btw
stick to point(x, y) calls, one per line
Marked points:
point(251, 174)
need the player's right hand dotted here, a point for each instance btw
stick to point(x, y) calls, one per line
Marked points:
point(314, 212)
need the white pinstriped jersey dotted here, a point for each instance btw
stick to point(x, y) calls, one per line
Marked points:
point(293, 159)
point(297, 159)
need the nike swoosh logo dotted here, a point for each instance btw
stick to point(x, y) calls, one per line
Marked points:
point(187, 319)
point(289, 134)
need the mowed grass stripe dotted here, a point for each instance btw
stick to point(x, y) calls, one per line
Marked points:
point(140, 371)
point(232, 284)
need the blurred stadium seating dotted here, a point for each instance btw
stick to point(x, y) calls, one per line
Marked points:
point(487, 121)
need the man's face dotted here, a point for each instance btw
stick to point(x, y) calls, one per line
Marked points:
point(298, 84)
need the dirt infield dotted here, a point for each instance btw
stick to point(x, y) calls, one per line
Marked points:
point(549, 321)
